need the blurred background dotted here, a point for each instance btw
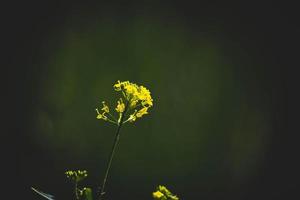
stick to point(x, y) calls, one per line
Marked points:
point(218, 125)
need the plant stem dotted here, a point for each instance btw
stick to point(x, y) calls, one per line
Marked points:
point(117, 137)
point(76, 191)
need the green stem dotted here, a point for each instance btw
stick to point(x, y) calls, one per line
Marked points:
point(117, 137)
point(76, 191)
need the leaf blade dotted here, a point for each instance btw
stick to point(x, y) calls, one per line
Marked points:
point(45, 195)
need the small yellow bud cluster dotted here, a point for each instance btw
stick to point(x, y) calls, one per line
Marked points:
point(162, 193)
point(136, 99)
point(76, 176)
point(105, 110)
point(121, 106)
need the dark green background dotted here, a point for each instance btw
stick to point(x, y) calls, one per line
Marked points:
point(218, 90)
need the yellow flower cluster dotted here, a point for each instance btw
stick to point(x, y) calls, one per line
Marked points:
point(157, 195)
point(134, 94)
point(136, 99)
point(105, 110)
point(163, 193)
point(76, 175)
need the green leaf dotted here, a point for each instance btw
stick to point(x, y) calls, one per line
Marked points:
point(47, 196)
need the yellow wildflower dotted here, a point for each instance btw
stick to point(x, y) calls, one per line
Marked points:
point(163, 193)
point(137, 98)
point(132, 117)
point(105, 107)
point(76, 175)
point(134, 94)
point(105, 110)
point(120, 85)
point(142, 112)
point(157, 195)
point(101, 115)
point(121, 106)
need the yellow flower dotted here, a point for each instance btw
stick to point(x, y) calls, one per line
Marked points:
point(105, 110)
point(134, 94)
point(136, 98)
point(131, 117)
point(101, 115)
point(142, 112)
point(105, 107)
point(76, 175)
point(121, 106)
point(163, 193)
point(157, 195)
point(120, 85)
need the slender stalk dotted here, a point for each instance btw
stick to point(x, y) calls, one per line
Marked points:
point(117, 137)
point(76, 191)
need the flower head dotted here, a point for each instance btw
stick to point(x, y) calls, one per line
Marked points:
point(162, 193)
point(134, 94)
point(76, 176)
point(135, 99)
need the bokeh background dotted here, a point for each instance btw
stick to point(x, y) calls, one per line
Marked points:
point(217, 126)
